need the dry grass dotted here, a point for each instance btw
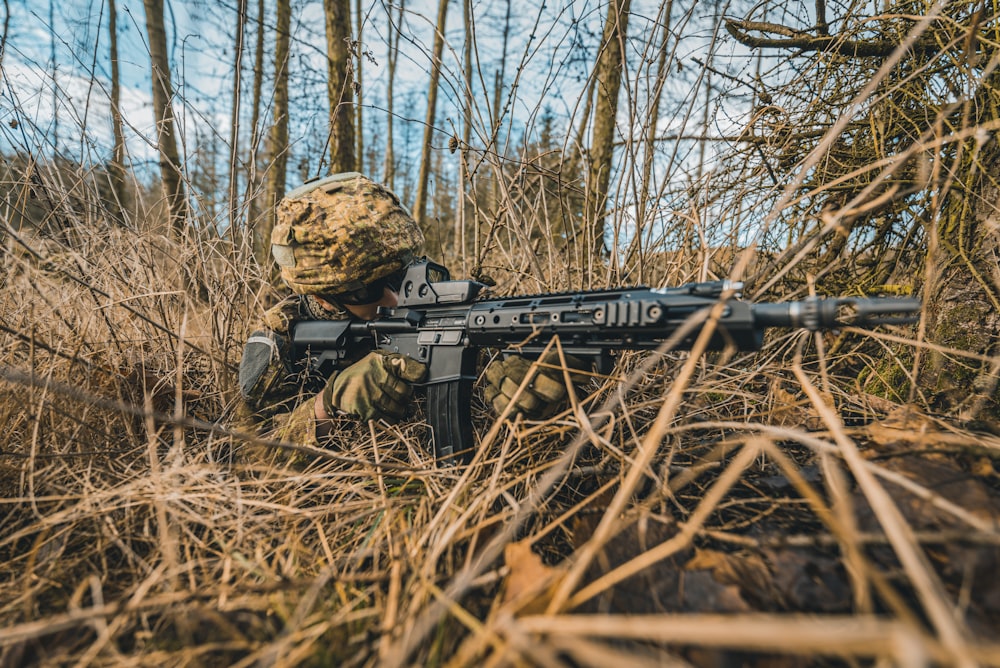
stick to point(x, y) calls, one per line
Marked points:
point(682, 510)
point(804, 505)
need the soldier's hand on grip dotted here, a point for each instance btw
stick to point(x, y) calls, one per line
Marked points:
point(543, 396)
point(377, 387)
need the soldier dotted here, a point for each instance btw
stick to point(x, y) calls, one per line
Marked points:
point(343, 244)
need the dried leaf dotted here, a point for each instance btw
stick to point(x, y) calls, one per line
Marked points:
point(746, 571)
point(792, 410)
point(983, 467)
point(787, 409)
point(906, 424)
point(700, 592)
point(529, 580)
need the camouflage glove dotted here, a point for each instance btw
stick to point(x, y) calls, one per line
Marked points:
point(377, 387)
point(543, 397)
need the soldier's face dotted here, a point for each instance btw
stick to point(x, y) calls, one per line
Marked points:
point(390, 298)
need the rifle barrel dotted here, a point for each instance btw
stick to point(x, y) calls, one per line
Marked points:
point(817, 313)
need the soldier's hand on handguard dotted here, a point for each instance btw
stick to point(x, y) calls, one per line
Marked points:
point(377, 387)
point(543, 396)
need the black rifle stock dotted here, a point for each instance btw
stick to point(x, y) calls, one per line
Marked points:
point(443, 324)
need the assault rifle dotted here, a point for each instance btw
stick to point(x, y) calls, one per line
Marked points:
point(443, 323)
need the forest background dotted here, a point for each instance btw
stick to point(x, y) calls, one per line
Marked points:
point(835, 496)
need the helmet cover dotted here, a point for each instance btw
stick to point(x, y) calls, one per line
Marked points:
point(340, 233)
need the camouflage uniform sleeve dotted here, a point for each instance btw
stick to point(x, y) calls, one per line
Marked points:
point(267, 375)
point(276, 396)
point(299, 426)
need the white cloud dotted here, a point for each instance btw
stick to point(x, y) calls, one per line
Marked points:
point(70, 109)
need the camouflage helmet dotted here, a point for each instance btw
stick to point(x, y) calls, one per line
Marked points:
point(340, 233)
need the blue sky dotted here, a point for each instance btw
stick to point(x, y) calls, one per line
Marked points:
point(551, 51)
point(554, 44)
point(66, 77)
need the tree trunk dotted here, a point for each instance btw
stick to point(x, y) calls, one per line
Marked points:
point(339, 85)
point(54, 76)
point(117, 167)
point(277, 145)
point(462, 208)
point(6, 30)
point(258, 81)
point(498, 83)
point(234, 128)
point(962, 294)
point(420, 206)
point(646, 185)
point(608, 80)
point(359, 128)
point(395, 30)
point(171, 173)
point(254, 218)
point(662, 73)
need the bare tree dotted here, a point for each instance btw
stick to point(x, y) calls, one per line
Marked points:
point(340, 92)
point(53, 63)
point(499, 79)
point(116, 169)
point(234, 129)
point(5, 31)
point(395, 30)
point(256, 132)
point(646, 185)
point(654, 102)
point(258, 78)
point(607, 82)
point(420, 205)
point(171, 171)
point(277, 145)
point(359, 55)
point(462, 208)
